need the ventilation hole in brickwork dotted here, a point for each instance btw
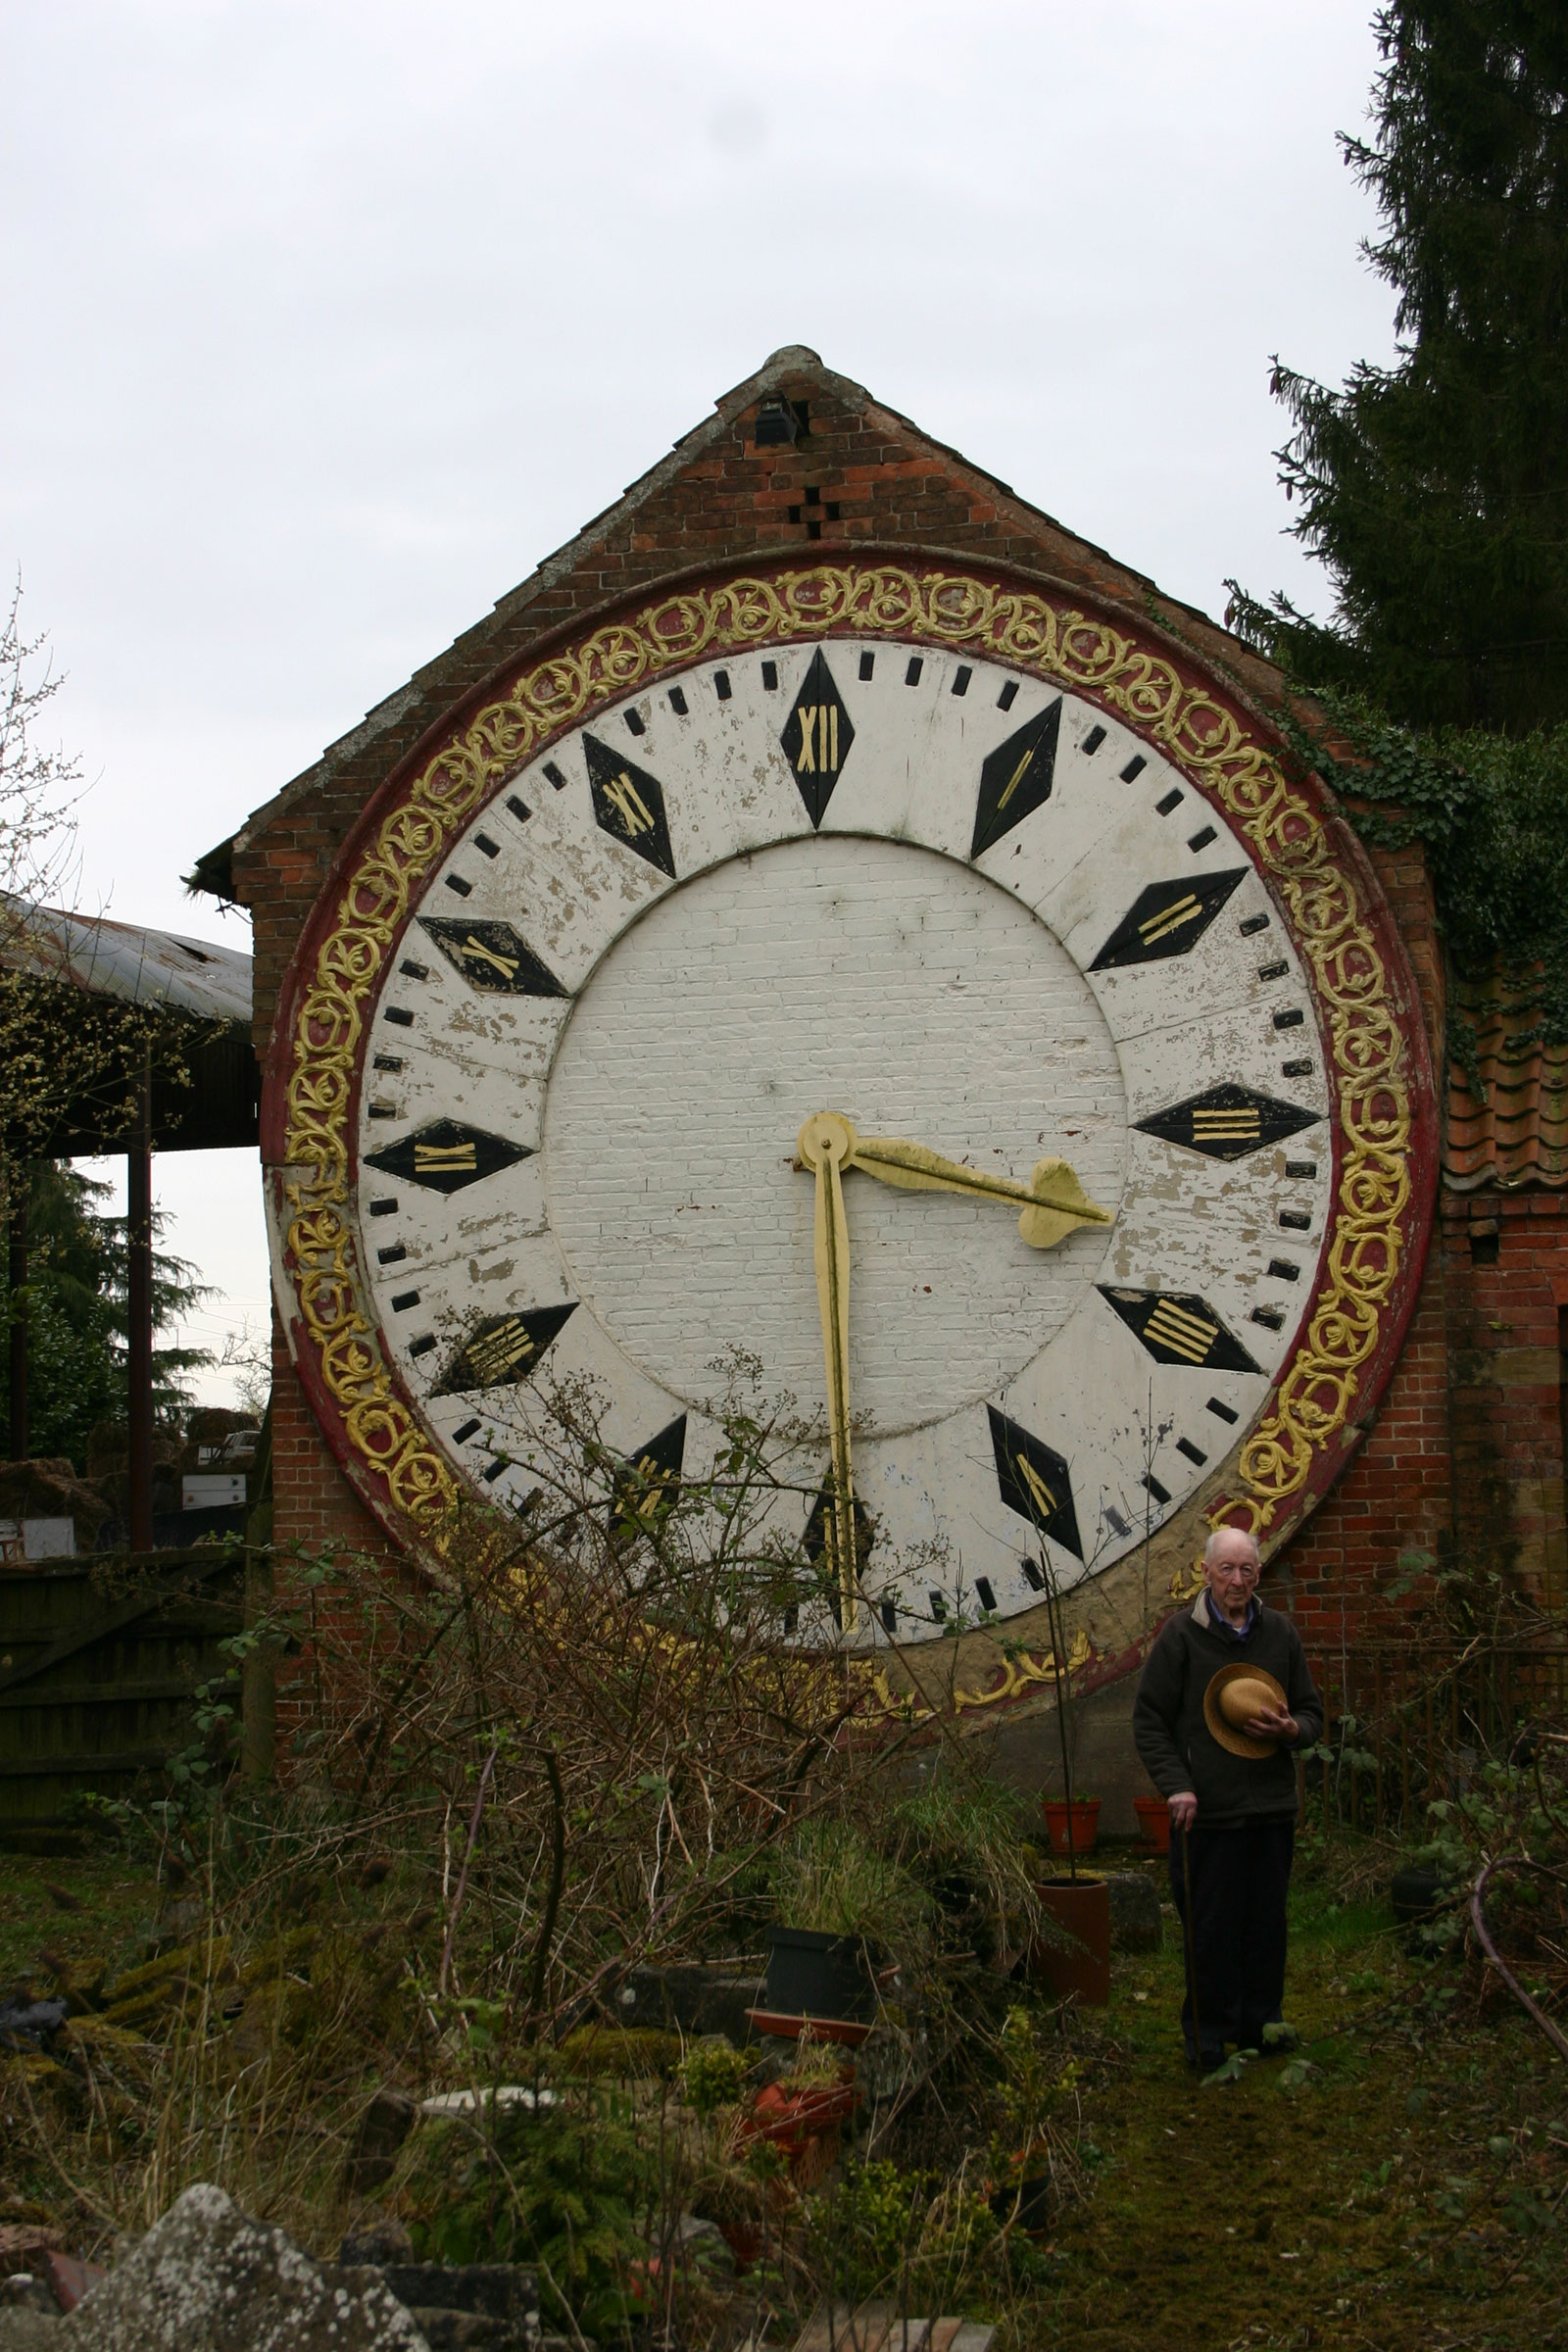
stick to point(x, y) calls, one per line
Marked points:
point(1009, 695)
point(961, 682)
point(1034, 1576)
point(414, 971)
point(813, 530)
point(1092, 742)
point(813, 496)
point(1172, 800)
point(519, 808)
point(794, 513)
point(393, 1255)
point(770, 677)
point(456, 883)
point(384, 1208)
point(404, 1300)
point(1202, 838)
point(722, 685)
point(1194, 1454)
point(867, 665)
point(831, 510)
point(984, 1593)
point(912, 676)
point(1296, 1069)
point(1134, 769)
point(462, 1435)
point(1222, 1411)
point(554, 775)
point(1160, 1493)
point(1251, 923)
point(1484, 1247)
point(677, 701)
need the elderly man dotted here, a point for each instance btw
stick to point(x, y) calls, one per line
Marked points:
point(1227, 1774)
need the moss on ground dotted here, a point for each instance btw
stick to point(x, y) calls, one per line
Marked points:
point(1393, 2183)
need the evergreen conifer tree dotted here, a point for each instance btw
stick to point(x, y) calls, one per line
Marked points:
point(1436, 491)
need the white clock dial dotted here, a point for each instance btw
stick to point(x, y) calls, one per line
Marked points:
point(952, 904)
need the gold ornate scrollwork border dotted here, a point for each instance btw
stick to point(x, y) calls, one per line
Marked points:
point(1326, 901)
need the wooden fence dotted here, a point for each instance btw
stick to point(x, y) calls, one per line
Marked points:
point(1405, 1726)
point(98, 1662)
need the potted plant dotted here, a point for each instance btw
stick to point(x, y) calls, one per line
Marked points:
point(1154, 1822)
point(1076, 1899)
point(839, 1899)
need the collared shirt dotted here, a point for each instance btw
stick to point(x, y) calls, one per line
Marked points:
point(1217, 1622)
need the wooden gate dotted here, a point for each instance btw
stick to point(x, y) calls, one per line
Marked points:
point(98, 1662)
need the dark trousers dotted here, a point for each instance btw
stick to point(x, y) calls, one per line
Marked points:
point(1237, 1945)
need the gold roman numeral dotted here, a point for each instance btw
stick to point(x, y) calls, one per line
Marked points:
point(1182, 1332)
point(500, 1351)
point(1241, 1125)
point(445, 1158)
point(628, 804)
point(819, 739)
point(1039, 1492)
point(474, 951)
point(1170, 919)
point(1016, 779)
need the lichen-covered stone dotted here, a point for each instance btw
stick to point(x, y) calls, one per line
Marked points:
point(207, 2279)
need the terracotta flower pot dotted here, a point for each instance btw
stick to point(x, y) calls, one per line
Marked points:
point(1153, 1819)
point(1080, 1970)
point(1085, 1824)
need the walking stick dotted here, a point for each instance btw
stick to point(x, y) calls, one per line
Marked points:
point(1191, 1953)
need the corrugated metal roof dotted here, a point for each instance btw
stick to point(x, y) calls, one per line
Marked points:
point(1518, 1134)
point(191, 976)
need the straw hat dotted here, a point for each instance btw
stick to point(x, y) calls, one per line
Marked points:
point(1235, 1695)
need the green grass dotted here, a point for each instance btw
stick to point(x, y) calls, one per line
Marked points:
point(120, 1903)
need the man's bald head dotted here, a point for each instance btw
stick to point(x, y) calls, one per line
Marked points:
point(1229, 1547)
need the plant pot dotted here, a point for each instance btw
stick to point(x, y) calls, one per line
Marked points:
point(1417, 1893)
point(1154, 1820)
point(810, 1974)
point(745, 2240)
point(1085, 1824)
point(1081, 1970)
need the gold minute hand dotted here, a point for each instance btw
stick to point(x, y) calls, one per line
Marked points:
point(825, 1145)
point(1053, 1201)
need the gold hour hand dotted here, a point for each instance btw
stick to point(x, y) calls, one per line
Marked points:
point(1054, 1203)
point(825, 1145)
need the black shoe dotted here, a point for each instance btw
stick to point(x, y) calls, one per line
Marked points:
point(1202, 2058)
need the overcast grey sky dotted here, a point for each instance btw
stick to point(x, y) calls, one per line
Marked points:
point(327, 320)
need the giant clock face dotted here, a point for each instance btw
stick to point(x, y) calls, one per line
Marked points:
point(953, 902)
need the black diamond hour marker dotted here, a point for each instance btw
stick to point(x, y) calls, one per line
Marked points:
point(1227, 1122)
point(1167, 919)
point(647, 1484)
point(1016, 779)
point(1035, 1482)
point(503, 1349)
point(446, 1156)
point(1179, 1328)
point(816, 738)
point(492, 958)
point(629, 803)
